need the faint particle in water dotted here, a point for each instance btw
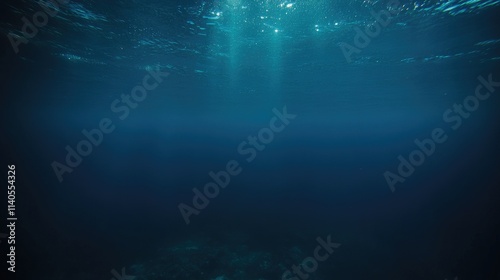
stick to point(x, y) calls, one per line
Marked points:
point(211, 18)
point(82, 12)
point(71, 56)
point(487, 42)
point(408, 60)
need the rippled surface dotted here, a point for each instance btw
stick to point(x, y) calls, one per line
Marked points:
point(195, 37)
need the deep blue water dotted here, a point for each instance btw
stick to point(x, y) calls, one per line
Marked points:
point(232, 65)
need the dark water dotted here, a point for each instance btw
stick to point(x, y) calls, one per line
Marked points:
point(233, 67)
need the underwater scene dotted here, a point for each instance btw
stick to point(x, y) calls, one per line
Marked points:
point(250, 139)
